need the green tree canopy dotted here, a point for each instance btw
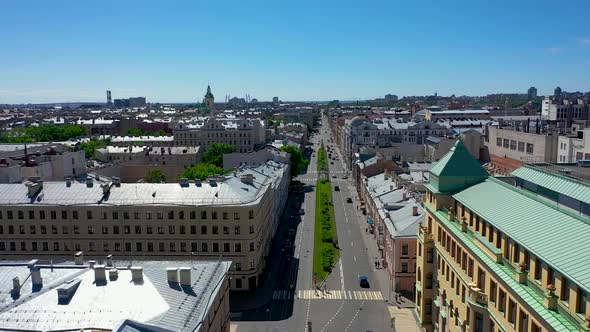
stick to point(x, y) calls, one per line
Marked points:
point(154, 176)
point(139, 132)
point(201, 171)
point(91, 146)
point(43, 133)
point(298, 161)
point(215, 152)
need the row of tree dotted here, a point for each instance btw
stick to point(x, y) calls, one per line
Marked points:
point(43, 133)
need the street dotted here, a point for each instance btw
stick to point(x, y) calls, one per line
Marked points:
point(342, 304)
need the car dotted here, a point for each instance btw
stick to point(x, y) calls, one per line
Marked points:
point(301, 211)
point(336, 188)
point(364, 282)
point(345, 177)
point(333, 176)
point(331, 163)
point(349, 200)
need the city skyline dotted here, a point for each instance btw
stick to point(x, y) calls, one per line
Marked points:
point(73, 52)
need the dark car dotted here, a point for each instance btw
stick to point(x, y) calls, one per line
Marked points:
point(364, 282)
point(349, 200)
point(336, 188)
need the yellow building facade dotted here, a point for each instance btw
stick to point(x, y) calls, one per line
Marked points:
point(493, 257)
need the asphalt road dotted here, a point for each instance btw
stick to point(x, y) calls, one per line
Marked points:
point(345, 306)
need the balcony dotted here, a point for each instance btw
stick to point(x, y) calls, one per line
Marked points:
point(424, 235)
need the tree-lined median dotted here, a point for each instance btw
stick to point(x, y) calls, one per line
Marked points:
point(325, 250)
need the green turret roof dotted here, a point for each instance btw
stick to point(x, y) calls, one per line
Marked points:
point(458, 169)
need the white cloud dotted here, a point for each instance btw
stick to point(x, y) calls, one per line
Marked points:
point(583, 40)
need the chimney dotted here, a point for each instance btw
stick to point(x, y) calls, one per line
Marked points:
point(116, 181)
point(185, 276)
point(198, 182)
point(172, 274)
point(137, 273)
point(32, 263)
point(89, 183)
point(68, 181)
point(91, 263)
point(36, 276)
point(106, 187)
point(100, 276)
point(110, 260)
point(247, 179)
point(183, 182)
point(15, 291)
point(33, 187)
point(79, 258)
point(415, 210)
point(113, 274)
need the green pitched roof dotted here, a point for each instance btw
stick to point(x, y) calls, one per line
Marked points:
point(557, 236)
point(456, 170)
point(558, 183)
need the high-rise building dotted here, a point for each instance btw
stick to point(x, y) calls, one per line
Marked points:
point(109, 100)
point(275, 100)
point(137, 102)
point(495, 257)
point(532, 93)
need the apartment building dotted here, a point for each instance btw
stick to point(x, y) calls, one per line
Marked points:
point(509, 148)
point(385, 132)
point(233, 217)
point(563, 112)
point(492, 257)
point(574, 148)
point(243, 134)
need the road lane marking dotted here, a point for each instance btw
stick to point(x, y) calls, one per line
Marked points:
point(341, 274)
point(354, 317)
point(354, 257)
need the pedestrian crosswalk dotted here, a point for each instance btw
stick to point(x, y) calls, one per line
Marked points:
point(313, 294)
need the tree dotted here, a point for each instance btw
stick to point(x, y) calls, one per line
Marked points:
point(43, 133)
point(201, 171)
point(134, 132)
point(298, 162)
point(154, 176)
point(215, 152)
point(90, 147)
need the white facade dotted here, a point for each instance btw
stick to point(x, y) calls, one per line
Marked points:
point(572, 149)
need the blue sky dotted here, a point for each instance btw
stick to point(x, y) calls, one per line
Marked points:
point(53, 51)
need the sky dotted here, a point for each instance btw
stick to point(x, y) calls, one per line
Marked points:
point(168, 51)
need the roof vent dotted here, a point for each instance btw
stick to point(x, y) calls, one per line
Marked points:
point(106, 187)
point(185, 276)
point(213, 182)
point(79, 258)
point(36, 276)
point(68, 181)
point(198, 182)
point(183, 182)
point(100, 276)
point(89, 183)
point(67, 290)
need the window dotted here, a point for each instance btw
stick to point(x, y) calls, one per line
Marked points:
point(115, 215)
point(135, 215)
point(501, 301)
point(236, 215)
point(149, 230)
point(90, 230)
point(565, 291)
point(204, 247)
point(225, 217)
point(405, 250)
point(137, 229)
point(251, 246)
point(127, 229)
point(32, 229)
point(203, 229)
point(105, 230)
point(193, 215)
point(34, 246)
point(225, 230)
point(172, 247)
point(251, 229)
point(31, 214)
point(512, 145)
point(238, 282)
point(171, 229)
point(237, 230)
point(194, 247)
point(171, 215)
point(492, 292)
point(193, 230)
point(404, 267)
point(215, 247)
point(181, 215)
point(511, 311)
point(535, 328)
point(226, 247)
point(21, 214)
point(251, 214)
point(529, 148)
point(21, 229)
point(182, 229)
point(521, 146)
point(238, 266)
point(45, 246)
point(9, 214)
point(214, 215)
point(160, 215)
point(470, 268)
point(138, 246)
point(161, 246)
point(581, 302)
point(203, 214)
point(160, 230)
point(75, 215)
point(238, 247)
point(88, 214)
point(506, 143)
point(76, 229)
point(214, 230)
point(91, 246)
point(148, 215)
point(182, 246)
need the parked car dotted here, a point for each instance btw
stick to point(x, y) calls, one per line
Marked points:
point(345, 177)
point(349, 200)
point(336, 188)
point(333, 176)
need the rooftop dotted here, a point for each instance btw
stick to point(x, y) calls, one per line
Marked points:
point(152, 301)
